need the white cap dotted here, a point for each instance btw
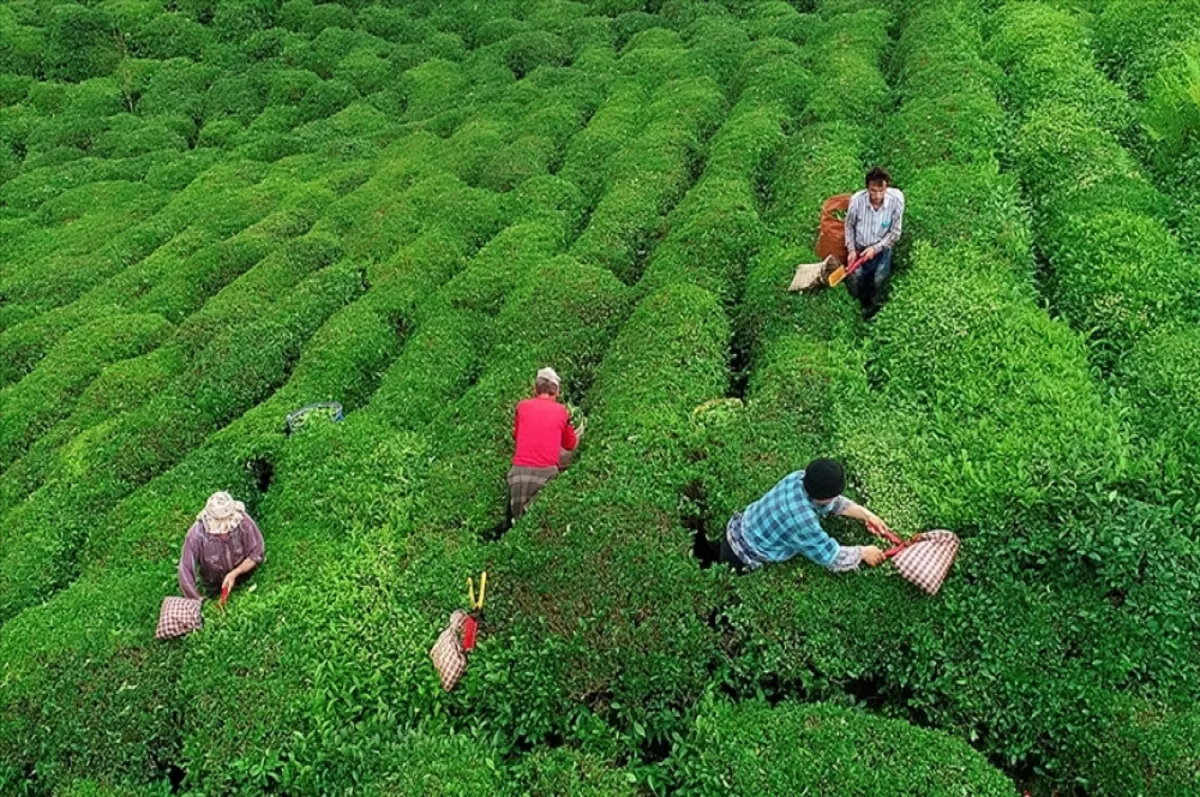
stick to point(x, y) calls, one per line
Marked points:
point(550, 375)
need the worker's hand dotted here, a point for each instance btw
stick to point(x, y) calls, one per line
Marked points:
point(872, 556)
point(875, 524)
point(870, 253)
point(853, 256)
point(228, 582)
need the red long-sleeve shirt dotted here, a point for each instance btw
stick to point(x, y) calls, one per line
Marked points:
point(542, 429)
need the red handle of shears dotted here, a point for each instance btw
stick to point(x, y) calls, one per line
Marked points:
point(898, 544)
point(854, 264)
point(224, 597)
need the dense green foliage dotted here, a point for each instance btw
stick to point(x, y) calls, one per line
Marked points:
point(213, 212)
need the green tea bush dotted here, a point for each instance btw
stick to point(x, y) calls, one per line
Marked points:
point(1104, 288)
point(1062, 151)
point(431, 87)
point(649, 176)
point(579, 309)
point(722, 43)
point(526, 51)
point(815, 162)
point(616, 121)
point(566, 771)
point(971, 202)
point(600, 614)
point(61, 276)
point(791, 747)
point(1161, 385)
point(1059, 152)
point(171, 35)
point(80, 43)
point(773, 71)
point(229, 376)
point(966, 336)
point(657, 56)
point(437, 365)
point(22, 46)
point(501, 263)
point(1136, 38)
point(61, 677)
point(950, 128)
point(1046, 57)
point(236, 20)
point(747, 145)
point(148, 527)
point(302, 16)
point(711, 238)
point(354, 613)
point(45, 395)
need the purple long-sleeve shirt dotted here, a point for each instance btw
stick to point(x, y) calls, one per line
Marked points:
point(217, 554)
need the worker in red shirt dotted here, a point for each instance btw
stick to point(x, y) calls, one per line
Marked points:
point(545, 442)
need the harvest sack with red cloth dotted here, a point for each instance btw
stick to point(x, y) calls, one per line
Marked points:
point(925, 559)
point(447, 653)
point(831, 237)
point(178, 617)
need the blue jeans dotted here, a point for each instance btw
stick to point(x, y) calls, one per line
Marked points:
point(868, 281)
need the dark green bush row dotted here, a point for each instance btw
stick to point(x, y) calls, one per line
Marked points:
point(601, 613)
point(163, 284)
point(1046, 58)
point(792, 748)
point(1158, 377)
point(1065, 145)
point(844, 54)
point(341, 355)
point(34, 284)
point(228, 376)
point(975, 391)
point(618, 119)
point(1134, 39)
point(29, 407)
point(169, 286)
point(649, 176)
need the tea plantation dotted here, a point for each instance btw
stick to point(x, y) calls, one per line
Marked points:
point(215, 212)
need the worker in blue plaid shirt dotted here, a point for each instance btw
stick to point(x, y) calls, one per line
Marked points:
point(786, 522)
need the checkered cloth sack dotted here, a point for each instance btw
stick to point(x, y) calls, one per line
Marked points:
point(926, 561)
point(447, 653)
point(178, 617)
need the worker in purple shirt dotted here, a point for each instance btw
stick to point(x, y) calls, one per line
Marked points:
point(224, 543)
point(874, 221)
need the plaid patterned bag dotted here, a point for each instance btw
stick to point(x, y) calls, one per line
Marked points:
point(447, 653)
point(178, 617)
point(926, 559)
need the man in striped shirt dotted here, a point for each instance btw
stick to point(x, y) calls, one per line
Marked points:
point(873, 224)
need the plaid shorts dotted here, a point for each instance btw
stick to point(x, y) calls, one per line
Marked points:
point(524, 484)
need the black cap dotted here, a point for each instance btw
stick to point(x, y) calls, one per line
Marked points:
point(824, 479)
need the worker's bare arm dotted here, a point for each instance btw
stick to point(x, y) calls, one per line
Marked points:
point(246, 566)
point(873, 522)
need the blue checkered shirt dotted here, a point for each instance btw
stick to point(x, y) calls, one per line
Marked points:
point(786, 522)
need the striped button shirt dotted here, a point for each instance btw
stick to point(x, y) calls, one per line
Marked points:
point(783, 523)
point(866, 226)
